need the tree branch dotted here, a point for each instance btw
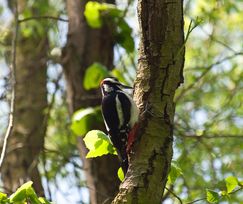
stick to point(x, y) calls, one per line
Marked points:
point(206, 70)
point(42, 17)
point(177, 197)
point(212, 136)
point(159, 74)
point(13, 83)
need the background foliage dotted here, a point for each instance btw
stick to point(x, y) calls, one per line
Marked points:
point(208, 144)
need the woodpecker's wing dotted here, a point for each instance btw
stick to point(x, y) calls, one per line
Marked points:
point(119, 113)
point(110, 113)
point(124, 105)
point(116, 109)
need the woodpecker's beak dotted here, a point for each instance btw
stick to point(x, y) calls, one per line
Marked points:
point(125, 87)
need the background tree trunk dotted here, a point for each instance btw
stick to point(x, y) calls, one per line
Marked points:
point(161, 60)
point(27, 138)
point(84, 47)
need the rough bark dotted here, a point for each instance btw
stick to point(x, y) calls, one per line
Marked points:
point(84, 47)
point(161, 60)
point(27, 138)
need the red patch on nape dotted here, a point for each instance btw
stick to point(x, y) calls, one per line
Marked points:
point(131, 137)
point(101, 83)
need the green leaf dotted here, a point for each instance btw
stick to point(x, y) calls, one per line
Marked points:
point(3, 198)
point(119, 75)
point(21, 194)
point(82, 119)
point(120, 174)
point(96, 13)
point(124, 35)
point(212, 196)
point(43, 200)
point(240, 183)
point(93, 13)
point(175, 172)
point(32, 196)
point(93, 75)
point(222, 193)
point(98, 144)
point(231, 183)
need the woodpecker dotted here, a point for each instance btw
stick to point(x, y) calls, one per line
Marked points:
point(120, 115)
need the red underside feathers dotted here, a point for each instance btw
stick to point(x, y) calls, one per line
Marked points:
point(131, 137)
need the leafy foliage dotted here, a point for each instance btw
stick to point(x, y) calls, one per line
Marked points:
point(98, 144)
point(212, 196)
point(24, 194)
point(36, 8)
point(175, 172)
point(98, 14)
point(96, 72)
point(94, 12)
point(3, 198)
point(93, 75)
point(231, 183)
point(83, 120)
point(123, 35)
point(120, 174)
point(208, 121)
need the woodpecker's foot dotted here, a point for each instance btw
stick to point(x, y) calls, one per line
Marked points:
point(148, 110)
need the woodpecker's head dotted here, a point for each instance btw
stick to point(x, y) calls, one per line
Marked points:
point(111, 84)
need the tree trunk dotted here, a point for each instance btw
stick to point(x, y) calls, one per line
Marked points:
point(160, 67)
point(27, 138)
point(84, 47)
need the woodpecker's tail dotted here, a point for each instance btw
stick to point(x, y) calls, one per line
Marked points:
point(119, 141)
point(122, 151)
point(123, 160)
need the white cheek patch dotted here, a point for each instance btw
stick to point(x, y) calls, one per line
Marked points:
point(107, 88)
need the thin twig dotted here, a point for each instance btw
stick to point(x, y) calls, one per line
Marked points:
point(13, 82)
point(129, 2)
point(216, 40)
point(42, 17)
point(235, 191)
point(177, 197)
point(213, 136)
point(124, 67)
point(207, 69)
point(47, 116)
point(46, 175)
point(191, 27)
point(200, 199)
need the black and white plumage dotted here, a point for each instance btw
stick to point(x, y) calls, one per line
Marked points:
point(120, 115)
